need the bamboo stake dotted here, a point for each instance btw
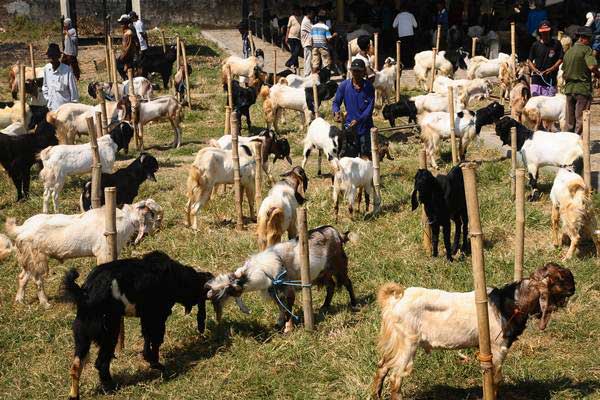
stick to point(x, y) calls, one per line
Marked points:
point(22, 94)
point(376, 173)
point(424, 220)
point(107, 58)
point(473, 47)
point(315, 99)
point(185, 74)
point(398, 70)
point(587, 171)
point(98, 123)
point(376, 44)
point(257, 175)
point(520, 224)
point(178, 45)
point(229, 87)
point(434, 50)
point(134, 110)
point(110, 231)
point(32, 60)
point(102, 101)
point(305, 271)
point(513, 161)
point(513, 48)
point(349, 58)
point(455, 155)
point(274, 66)
point(438, 35)
point(164, 43)
point(115, 76)
point(227, 129)
point(237, 186)
point(477, 260)
point(96, 166)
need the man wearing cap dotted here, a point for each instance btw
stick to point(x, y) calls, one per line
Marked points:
point(578, 67)
point(70, 48)
point(60, 85)
point(545, 57)
point(142, 36)
point(129, 47)
point(358, 96)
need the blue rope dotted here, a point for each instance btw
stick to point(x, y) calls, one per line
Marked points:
point(277, 283)
point(542, 78)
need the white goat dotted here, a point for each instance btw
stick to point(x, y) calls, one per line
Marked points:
point(434, 102)
point(296, 81)
point(385, 80)
point(160, 108)
point(245, 67)
point(142, 87)
point(63, 237)
point(280, 97)
point(10, 115)
point(351, 176)
point(572, 205)
point(6, 247)
point(545, 111)
point(481, 67)
point(464, 89)
point(423, 66)
point(212, 167)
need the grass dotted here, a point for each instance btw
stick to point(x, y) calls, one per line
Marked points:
point(244, 357)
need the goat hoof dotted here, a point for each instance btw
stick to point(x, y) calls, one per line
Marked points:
point(324, 310)
point(109, 386)
point(449, 258)
point(157, 366)
point(354, 308)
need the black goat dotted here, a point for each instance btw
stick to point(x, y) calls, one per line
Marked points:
point(38, 115)
point(325, 91)
point(18, 154)
point(127, 181)
point(4, 104)
point(403, 108)
point(443, 197)
point(146, 288)
point(155, 60)
point(488, 115)
point(243, 99)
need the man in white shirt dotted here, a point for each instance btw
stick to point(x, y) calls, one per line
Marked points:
point(138, 25)
point(364, 44)
point(60, 85)
point(306, 39)
point(406, 23)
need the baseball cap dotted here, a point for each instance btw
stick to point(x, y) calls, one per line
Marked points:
point(544, 27)
point(358, 65)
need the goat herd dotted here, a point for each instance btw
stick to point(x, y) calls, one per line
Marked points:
point(149, 286)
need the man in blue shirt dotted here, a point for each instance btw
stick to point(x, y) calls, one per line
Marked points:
point(358, 96)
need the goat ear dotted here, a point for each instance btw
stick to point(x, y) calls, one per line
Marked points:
point(414, 200)
point(142, 213)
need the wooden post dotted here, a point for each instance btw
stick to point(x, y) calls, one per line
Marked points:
point(178, 46)
point(110, 231)
point(473, 47)
point(22, 94)
point(349, 59)
point(227, 128)
point(96, 165)
point(32, 60)
point(520, 224)
point(315, 99)
point(438, 35)
point(257, 175)
point(424, 219)
point(305, 271)
point(185, 74)
point(229, 87)
point(513, 48)
point(477, 260)
point(455, 155)
point(513, 160)
point(398, 70)
point(107, 58)
point(376, 173)
point(237, 186)
point(98, 123)
point(115, 76)
point(559, 35)
point(134, 110)
point(587, 171)
point(376, 44)
point(434, 50)
point(274, 66)
point(164, 43)
point(102, 101)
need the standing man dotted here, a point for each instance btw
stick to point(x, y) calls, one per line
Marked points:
point(306, 38)
point(129, 47)
point(545, 57)
point(60, 85)
point(441, 18)
point(320, 37)
point(579, 64)
point(406, 23)
point(292, 39)
point(70, 53)
point(364, 45)
point(358, 96)
point(142, 36)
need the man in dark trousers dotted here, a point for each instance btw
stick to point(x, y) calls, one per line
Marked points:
point(358, 96)
point(578, 66)
point(129, 47)
point(545, 57)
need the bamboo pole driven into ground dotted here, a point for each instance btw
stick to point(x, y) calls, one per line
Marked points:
point(227, 129)
point(98, 123)
point(237, 185)
point(513, 48)
point(102, 102)
point(438, 35)
point(473, 47)
point(134, 111)
point(107, 60)
point(110, 231)
point(114, 72)
point(520, 224)
point(481, 301)
point(178, 46)
point(398, 70)
point(164, 43)
point(434, 51)
point(455, 155)
point(22, 95)
point(96, 166)
point(424, 219)
point(315, 99)
point(349, 58)
point(229, 87)
point(587, 171)
point(251, 39)
point(32, 61)
point(185, 74)
point(305, 271)
point(257, 175)
point(274, 66)
point(376, 171)
point(513, 160)
point(376, 44)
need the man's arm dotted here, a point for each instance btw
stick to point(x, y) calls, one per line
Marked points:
point(337, 101)
point(592, 64)
point(396, 21)
point(414, 21)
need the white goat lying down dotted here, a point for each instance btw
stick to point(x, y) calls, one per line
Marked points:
point(572, 205)
point(434, 102)
point(353, 174)
point(435, 319)
point(212, 167)
point(328, 267)
point(63, 237)
point(545, 111)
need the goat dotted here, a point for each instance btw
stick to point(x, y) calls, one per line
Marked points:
point(541, 149)
point(465, 90)
point(243, 99)
point(572, 204)
point(446, 63)
point(142, 87)
point(434, 102)
point(296, 81)
point(546, 111)
point(481, 67)
point(519, 96)
point(155, 60)
point(404, 108)
point(443, 198)
point(10, 115)
point(280, 97)
point(160, 108)
point(385, 80)
point(435, 319)
point(328, 267)
point(63, 237)
point(146, 288)
point(246, 67)
point(31, 82)
point(6, 247)
point(63, 160)
point(127, 181)
point(18, 154)
point(468, 124)
point(325, 137)
point(277, 212)
point(213, 166)
point(352, 175)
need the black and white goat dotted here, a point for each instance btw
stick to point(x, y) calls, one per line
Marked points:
point(435, 319)
point(541, 149)
point(328, 267)
point(444, 200)
point(127, 181)
point(146, 288)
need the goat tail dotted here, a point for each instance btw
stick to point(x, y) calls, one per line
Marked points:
point(73, 292)
point(51, 118)
point(10, 226)
point(264, 92)
point(389, 291)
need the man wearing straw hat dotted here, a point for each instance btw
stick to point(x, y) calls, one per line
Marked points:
point(60, 85)
point(70, 48)
point(578, 66)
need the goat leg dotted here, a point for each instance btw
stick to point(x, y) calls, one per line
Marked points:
point(535, 194)
point(446, 228)
point(466, 244)
point(435, 233)
point(329, 296)
point(457, 229)
point(377, 387)
point(556, 238)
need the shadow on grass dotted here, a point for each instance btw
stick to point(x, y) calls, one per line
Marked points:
point(523, 390)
